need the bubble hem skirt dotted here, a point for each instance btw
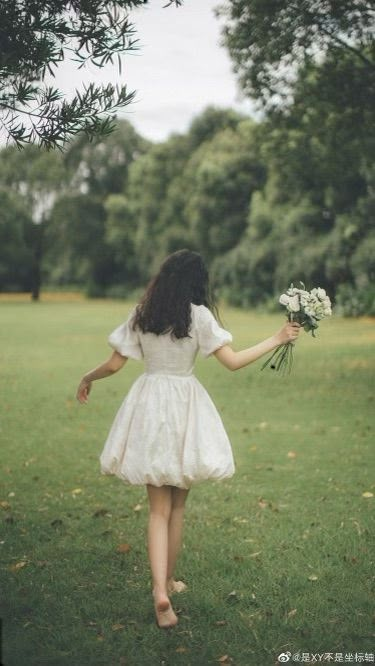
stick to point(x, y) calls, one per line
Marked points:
point(167, 432)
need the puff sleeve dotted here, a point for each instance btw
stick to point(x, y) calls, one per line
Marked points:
point(210, 335)
point(125, 340)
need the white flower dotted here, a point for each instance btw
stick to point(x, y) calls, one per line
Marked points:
point(284, 299)
point(320, 293)
point(294, 305)
point(305, 298)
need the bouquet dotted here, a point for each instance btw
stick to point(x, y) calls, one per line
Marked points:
point(306, 308)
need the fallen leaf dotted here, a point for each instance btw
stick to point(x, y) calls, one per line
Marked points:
point(118, 627)
point(232, 597)
point(263, 425)
point(5, 505)
point(367, 494)
point(17, 565)
point(221, 623)
point(255, 554)
point(181, 649)
point(292, 454)
point(313, 577)
point(76, 491)
point(29, 462)
point(123, 548)
point(137, 507)
point(292, 612)
point(11, 494)
point(262, 503)
point(225, 659)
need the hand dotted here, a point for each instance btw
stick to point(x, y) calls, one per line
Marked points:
point(83, 391)
point(289, 332)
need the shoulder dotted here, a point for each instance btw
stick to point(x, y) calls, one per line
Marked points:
point(203, 319)
point(201, 312)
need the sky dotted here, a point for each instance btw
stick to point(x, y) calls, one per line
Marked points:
point(179, 69)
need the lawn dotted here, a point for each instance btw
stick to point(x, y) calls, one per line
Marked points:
point(278, 559)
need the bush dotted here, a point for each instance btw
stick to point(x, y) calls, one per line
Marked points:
point(355, 302)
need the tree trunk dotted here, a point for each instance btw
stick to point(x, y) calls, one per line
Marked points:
point(36, 278)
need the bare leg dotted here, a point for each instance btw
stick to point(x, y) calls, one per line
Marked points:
point(175, 527)
point(160, 500)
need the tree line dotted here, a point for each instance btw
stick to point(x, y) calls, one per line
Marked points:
point(266, 204)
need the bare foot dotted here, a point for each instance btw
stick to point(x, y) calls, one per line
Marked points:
point(165, 615)
point(176, 586)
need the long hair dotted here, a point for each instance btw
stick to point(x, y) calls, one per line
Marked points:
point(166, 304)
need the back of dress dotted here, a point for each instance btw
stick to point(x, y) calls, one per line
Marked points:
point(167, 430)
point(167, 355)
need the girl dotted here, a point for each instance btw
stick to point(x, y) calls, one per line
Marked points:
point(167, 434)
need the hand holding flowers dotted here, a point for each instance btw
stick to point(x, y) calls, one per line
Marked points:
point(288, 333)
point(304, 308)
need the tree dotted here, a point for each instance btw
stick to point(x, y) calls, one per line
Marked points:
point(268, 40)
point(219, 181)
point(34, 37)
point(211, 121)
point(37, 178)
point(101, 166)
point(15, 255)
point(77, 252)
point(150, 177)
point(120, 228)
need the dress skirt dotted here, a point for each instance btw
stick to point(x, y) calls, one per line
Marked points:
point(167, 432)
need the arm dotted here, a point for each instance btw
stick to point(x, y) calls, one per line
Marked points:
point(234, 360)
point(114, 363)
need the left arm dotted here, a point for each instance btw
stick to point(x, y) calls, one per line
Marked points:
point(106, 369)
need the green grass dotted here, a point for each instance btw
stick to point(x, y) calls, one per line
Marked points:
point(251, 543)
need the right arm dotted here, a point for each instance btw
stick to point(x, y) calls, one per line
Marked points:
point(106, 369)
point(234, 360)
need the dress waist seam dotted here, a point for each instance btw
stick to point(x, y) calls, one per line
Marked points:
point(168, 374)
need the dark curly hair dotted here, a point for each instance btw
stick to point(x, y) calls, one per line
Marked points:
point(166, 304)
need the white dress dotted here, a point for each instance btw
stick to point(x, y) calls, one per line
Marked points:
point(168, 431)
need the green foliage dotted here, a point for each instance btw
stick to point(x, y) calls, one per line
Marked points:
point(269, 41)
point(101, 166)
point(36, 178)
point(219, 181)
point(35, 37)
point(77, 228)
point(211, 121)
point(355, 302)
point(15, 255)
point(119, 236)
point(265, 203)
point(149, 180)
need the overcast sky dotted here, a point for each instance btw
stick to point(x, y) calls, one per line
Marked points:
point(179, 69)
